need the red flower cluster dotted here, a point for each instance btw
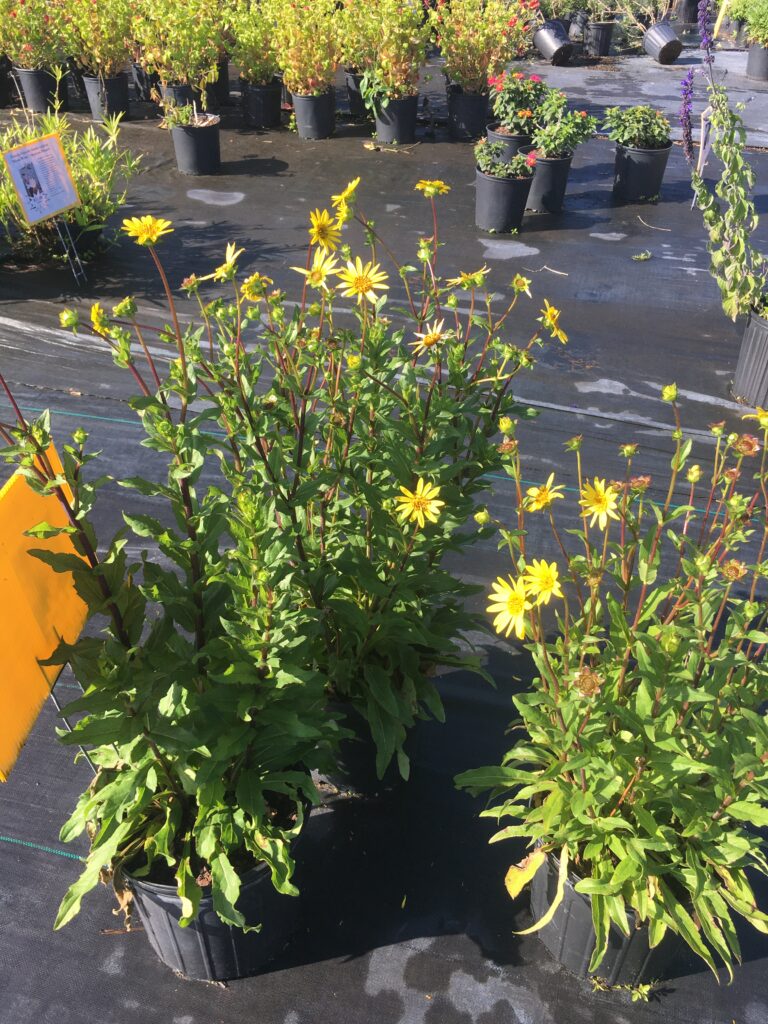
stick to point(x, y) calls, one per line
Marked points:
point(531, 158)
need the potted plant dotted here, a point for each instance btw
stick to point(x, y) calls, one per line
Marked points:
point(195, 136)
point(638, 778)
point(359, 28)
point(181, 44)
point(390, 88)
point(757, 36)
point(554, 143)
point(101, 170)
point(254, 53)
point(643, 146)
point(477, 38)
point(502, 184)
point(737, 265)
point(308, 46)
point(200, 708)
point(100, 36)
point(598, 32)
point(33, 36)
point(515, 101)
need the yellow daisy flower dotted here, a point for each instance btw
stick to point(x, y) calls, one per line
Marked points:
point(538, 498)
point(344, 202)
point(509, 603)
point(146, 230)
point(550, 318)
point(228, 268)
point(522, 284)
point(467, 280)
point(761, 415)
point(254, 288)
point(324, 231)
point(99, 319)
point(421, 504)
point(432, 336)
point(430, 188)
point(542, 580)
point(362, 280)
point(323, 264)
point(600, 502)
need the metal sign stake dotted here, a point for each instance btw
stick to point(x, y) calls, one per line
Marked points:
point(70, 250)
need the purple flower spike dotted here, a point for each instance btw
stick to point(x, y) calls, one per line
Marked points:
point(686, 108)
point(705, 29)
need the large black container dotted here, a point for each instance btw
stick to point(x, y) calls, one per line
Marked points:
point(107, 96)
point(397, 121)
point(315, 115)
point(145, 83)
point(262, 104)
point(38, 88)
point(178, 95)
point(208, 949)
point(687, 11)
point(7, 88)
point(570, 937)
point(638, 173)
point(355, 770)
point(352, 80)
point(757, 63)
point(467, 114)
point(512, 143)
point(500, 202)
point(197, 148)
point(661, 42)
point(220, 87)
point(579, 21)
point(597, 38)
point(552, 42)
point(750, 382)
point(550, 180)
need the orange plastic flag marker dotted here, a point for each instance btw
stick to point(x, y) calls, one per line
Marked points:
point(38, 608)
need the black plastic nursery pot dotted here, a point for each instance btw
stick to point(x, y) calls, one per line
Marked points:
point(500, 202)
point(638, 173)
point(757, 63)
point(579, 21)
point(315, 115)
point(570, 937)
point(512, 143)
point(220, 87)
point(177, 95)
point(467, 114)
point(661, 42)
point(687, 11)
point(550, 181)
point(396, 123)
point(262, 104)
point(208, 949)
point(146, 84)
point(7, 89)
point(107, 96)
point(197, 148)
point(352, 80)
point(38, 87)
point(552, 42)
point(750, 382)
point(355, 769)
point(597, 38)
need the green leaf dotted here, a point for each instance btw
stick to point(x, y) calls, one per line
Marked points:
point(746, 810)
point(226, 890)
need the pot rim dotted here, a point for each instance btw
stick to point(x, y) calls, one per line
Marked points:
point(553, 159)
point(163, 889)
point(492, 177)
point(495, 125)
point(645, 149)
point(197, 127)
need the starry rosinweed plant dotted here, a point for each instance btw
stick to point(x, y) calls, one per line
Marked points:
point(644, 766)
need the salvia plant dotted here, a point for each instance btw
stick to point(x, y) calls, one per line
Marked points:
point(33, 33)
point(640, 127)
point(252, 48)
point(491, 159)
point(642, 758)
point(313, 470)
point(307, 39)
point(180, 42)
point(403, 35)
point(100, 36)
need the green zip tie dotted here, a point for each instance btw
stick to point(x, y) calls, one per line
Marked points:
point(44, 849)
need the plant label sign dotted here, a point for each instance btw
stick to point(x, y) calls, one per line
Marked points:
point(42, 178)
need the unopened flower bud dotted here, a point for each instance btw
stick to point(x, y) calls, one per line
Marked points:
point(669, 393)
point(506, 425)
point(69, 318)
point(482, 517)
point(694, 474)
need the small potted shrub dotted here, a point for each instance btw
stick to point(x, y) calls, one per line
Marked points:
point(359, 30)
point(390, 88)
point(253, 51)
point(554, 143)
point(180, 43)
point(598, 32)
point(643, 146)
point(477, 38)
point(651, 18)
point(101, 36)
point(737, 265)
point(502, 184)
point(195, 136)
point(515, 101)
point(757, 35)
point(638, 774)
point(33, 35)
point(101, 169)
point(308, 45)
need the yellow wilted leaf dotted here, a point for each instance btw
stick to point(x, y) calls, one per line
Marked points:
point(562, 875)
point(520, 874)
